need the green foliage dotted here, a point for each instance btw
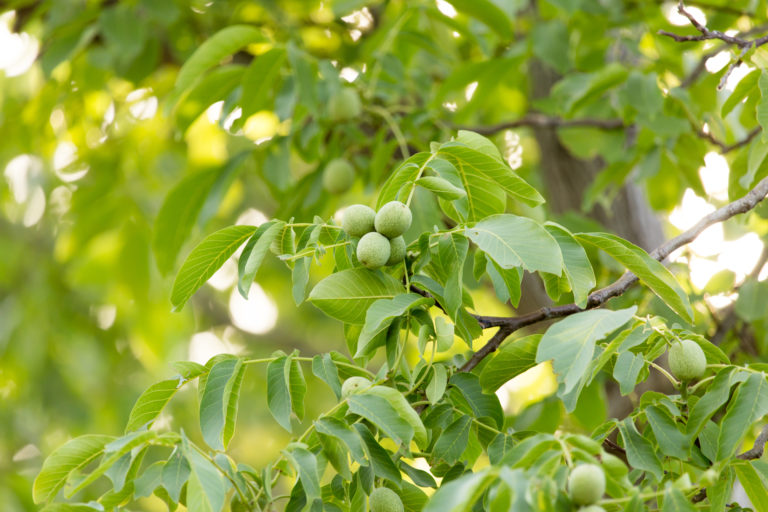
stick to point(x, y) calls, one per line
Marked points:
point(380, 390)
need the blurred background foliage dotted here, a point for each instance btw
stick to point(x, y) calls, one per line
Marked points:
point(105, 151)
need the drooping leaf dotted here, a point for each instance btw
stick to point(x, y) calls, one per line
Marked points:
point(749, 404)
point(382, 312)
point(278, 392)
point(512, 359)
point(380, 459)
point(453, 441)
point(459, 495)
point(253, 254)
point(403, 409)
point(626, 370)
point(219, 401)
point(672, 442)
point(570, 343)
point(381, 413)
point(324, 368)
point(306, 466)
point(258, 79)
point(207, 487)
point(754, 483)
point(650, 272)
point(640, 451)
point(205, 260)
point(576, 264)
point(514, 241)
point(348, 294)
point(441, 188)
point(334, 427)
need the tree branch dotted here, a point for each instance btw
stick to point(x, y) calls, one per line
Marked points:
point(725, 148)
point(707, 34)
point(757, 450)
point(508, 325)
point(541, 120)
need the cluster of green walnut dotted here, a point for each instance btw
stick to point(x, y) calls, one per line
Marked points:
point(381, 233)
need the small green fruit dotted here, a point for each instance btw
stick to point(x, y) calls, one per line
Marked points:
point(354, 385)
point(373, 250)
point(592, 508)
point(344, 105)
point(383, 499)
point(338, 176)
point(358, 220)
point(586, 484)
point(396, 250)
point(443, 334)
point(393, 219)
point(686, 360)
point(708, 478)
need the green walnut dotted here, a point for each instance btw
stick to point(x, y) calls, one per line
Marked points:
point(686, 360)
point(358, 220)
point(396, 250)
point(373, 250)
point(586, 484)
point(344, 105)
point(354, 385)
point(393, 219)
point(592, 508)
point(383, 499)
point(443, 334)
point(338, 176)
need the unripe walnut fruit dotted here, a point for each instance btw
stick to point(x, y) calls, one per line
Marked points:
point(393, 219)
point(373, 250)
point(686, 360)
point(396, 250)
point(354, 385)
point(586, 484)
point(344, 105)
point(383, 499)
point(358, 220)
point(338, 176)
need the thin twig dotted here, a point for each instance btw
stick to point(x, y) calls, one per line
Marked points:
point(541, 120)
point(508, 325)
point(707, 34)
point(757, 450)
point(726, 148)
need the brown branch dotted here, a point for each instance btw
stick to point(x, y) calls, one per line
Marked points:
point(541, 120)
point(707, 34)
point(726, 148)
point(757, 450)
point(508, 325)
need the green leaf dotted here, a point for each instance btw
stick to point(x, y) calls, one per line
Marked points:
point(206, 488)
point(175, 474)
point(762, 105)
point(380, 315)
point(514, 241)
point(749, 404)
point(675, 500)
point(460, 494)
point(437, 384)
point(297, 386)
point(401, 181)
point(626, 370)
point(220, 45)
point(381, 413)
point(453, 441)
point(325, 369)
point(484, 405)
point(550, 44)
point(671, 441)
point(715, 397)
point(380, 460)
point(478, 171)
point(441, 188)
point(506, 281)
point(753, 295)
point(348, 294)
point(73, 455)
point(253, 253)
point(488, 13)
point(151, 402)
point(640, 451)
point(306, 465)
point(741, 91)
point(755, 485)
point(650, 272)
point(330, 426)
point(259, 79)
point(278, 392)
point(205, 260)
point(512, 359)
point(218, 405)
point(570, 343)
point(576, 264)
point(403, 408)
